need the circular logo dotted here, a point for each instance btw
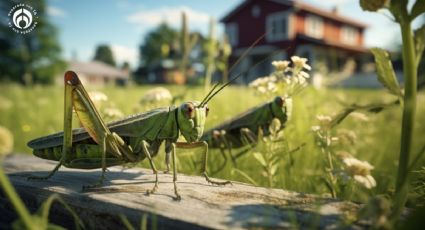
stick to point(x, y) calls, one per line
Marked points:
point(22, 18)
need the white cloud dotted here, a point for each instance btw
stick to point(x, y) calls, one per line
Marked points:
point(124, 53)
point(55, 11)
point(170, 15)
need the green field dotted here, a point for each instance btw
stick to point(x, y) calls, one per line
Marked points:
point(37, 111)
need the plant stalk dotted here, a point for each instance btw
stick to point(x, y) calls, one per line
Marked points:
point(407, 128)
point(15, 200)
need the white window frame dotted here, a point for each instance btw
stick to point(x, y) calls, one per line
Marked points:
point(314, 26)
point(283, 35)
point(349, 35)
point(232, 33)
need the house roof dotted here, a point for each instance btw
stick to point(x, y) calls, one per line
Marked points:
point(97, 68)
point(299, 5)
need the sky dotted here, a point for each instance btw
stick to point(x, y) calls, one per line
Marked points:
point(122, 24)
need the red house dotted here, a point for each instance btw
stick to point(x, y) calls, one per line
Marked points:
point(330, 41)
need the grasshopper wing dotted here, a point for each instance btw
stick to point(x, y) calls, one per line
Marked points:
point(146, 124)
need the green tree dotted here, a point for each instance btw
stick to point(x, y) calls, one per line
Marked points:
point(29, 58)
point(160, 43)
point(104, 54)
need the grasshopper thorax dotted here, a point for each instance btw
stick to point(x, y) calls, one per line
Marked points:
point(191, 120)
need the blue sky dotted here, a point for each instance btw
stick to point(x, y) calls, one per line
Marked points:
point(123, 23)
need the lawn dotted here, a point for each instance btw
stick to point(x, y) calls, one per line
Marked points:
point(37, 111)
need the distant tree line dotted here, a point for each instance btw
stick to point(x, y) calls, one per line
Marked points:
point(184, 48)
point(29, 58)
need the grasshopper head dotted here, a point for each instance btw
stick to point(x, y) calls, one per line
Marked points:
point(282, 108)
point(191, 119)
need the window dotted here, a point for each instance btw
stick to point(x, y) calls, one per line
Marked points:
point(277, 26)
point(314, 26)
point(232, 33)
point(349, 35)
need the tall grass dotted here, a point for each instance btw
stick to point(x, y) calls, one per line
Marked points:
point(37, 111)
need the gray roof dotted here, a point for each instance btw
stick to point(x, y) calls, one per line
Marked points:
point(97, 68)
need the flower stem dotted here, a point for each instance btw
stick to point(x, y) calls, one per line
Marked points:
point(410, 79)
point(15, 200)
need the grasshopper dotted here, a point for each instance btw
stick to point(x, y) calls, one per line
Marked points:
point(100, 145)
point(241, 130)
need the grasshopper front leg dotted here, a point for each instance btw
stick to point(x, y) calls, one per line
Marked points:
point(173, 152)
point(203, 144)
point(170, 150)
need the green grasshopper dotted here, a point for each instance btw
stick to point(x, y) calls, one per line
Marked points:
point(100, 145)
point(241, 130)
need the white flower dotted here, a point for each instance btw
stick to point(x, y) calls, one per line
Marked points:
point(304, 74)
point(6, 141)
point(315, 128)
point(359, 116)
point(347, 136)
point(324, 118)
point(257, 82)
point(271, 86)
point(301, 80)
point(262, 89)
point(300, 63)
point(285, 80)
point(368, 181)
point(157, 94)
point(357, 166)
point(112, 113)
point(360, 171)
point(98, 97)
point(280, 65)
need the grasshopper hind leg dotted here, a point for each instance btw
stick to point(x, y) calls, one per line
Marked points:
point(48, 175)
point(148, 155)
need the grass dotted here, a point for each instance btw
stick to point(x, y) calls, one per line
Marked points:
point(38, 111)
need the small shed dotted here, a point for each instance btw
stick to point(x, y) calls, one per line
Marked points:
point(98, 73)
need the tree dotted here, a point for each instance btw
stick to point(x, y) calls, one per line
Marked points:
point(104, 54)
point(33, 57)
point(160, 43)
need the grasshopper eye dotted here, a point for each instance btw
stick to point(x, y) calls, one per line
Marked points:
point(279, 101)
point(207, 110)
point(190, 110)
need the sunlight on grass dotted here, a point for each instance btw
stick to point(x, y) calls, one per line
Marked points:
point(38, 111)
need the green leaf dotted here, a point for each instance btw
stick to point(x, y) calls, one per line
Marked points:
point(385, 71)
point(242, 173)
point(273, 169)
point(419, 43)
point(417, 9)
point(372, 5)
point(260, 158)
point(399, 9)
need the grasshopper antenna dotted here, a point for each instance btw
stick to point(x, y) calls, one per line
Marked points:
point(244, 54)
point(211, 95)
